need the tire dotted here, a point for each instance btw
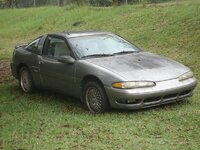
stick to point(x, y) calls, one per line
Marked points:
point(25, 80)
point(94, 97)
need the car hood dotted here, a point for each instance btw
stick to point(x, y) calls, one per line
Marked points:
point(142, 66)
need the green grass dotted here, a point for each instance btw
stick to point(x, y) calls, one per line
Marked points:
point(52, 121)
point(46, 120)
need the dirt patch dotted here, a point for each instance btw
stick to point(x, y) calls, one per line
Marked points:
point(5, 71)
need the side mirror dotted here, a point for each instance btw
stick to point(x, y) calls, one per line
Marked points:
point(66, 59)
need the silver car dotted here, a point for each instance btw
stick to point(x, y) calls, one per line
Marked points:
point(102, 69)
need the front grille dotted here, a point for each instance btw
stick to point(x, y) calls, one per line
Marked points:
point(185, 93)
point(170, 96)
point(166, 98)
point(156, 100)
point(152, 99)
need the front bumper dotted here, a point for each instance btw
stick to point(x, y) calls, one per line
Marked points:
point(164, 92)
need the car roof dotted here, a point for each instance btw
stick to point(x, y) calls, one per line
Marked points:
point(71, 34)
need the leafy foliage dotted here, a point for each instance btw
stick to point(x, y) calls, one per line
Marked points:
point(33, 3)
point(101, 2)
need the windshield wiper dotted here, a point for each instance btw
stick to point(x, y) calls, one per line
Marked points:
point(125, 52)
point(98, 55)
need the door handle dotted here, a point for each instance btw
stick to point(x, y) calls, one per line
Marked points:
point(41, 62)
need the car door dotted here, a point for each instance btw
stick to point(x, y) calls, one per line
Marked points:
point(31, 59)
point(54, 74)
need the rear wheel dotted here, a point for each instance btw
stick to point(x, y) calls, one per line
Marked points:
point(25, 80)
point(94, 97)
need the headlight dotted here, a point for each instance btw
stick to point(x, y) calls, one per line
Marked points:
point(186, 76)
point(132, 85)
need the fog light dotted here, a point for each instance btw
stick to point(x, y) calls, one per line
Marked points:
point(133, 101)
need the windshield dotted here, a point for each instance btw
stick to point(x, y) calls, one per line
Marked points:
point(100, 45)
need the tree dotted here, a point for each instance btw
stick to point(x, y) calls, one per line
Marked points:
point(9, 3)
point(60, 2)
point(34, 3)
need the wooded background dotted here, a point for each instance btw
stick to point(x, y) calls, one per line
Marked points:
point(37, 3)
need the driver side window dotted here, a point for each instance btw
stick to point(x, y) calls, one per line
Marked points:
point(56, 47)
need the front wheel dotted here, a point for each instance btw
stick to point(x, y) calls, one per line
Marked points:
point(94, 97)
point(25, 80)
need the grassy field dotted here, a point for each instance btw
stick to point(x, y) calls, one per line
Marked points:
point(47, 120)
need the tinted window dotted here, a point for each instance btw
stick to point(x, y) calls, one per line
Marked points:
point(55, 47)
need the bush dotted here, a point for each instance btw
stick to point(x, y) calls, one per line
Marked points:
point(119, 2)
point(101, 2)
point(157, 1)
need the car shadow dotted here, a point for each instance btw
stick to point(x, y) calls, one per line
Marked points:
point(48, 97)
point(71, 104)
point(74, 105)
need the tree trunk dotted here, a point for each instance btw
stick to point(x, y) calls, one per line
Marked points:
point(126, 2)
point(34, 3)
point(16, 3)
point(60, 2)
point(9, 3)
